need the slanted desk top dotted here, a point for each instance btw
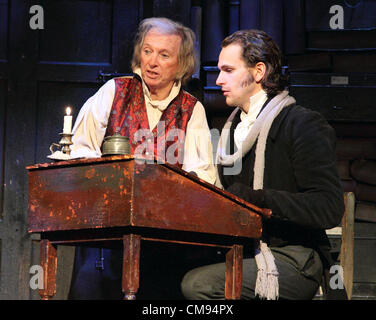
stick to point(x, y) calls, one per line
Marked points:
point(117, 192)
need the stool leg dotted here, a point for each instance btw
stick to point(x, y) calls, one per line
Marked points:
point(347, 246)
point(131, 266)
point(234, 272)
point(48, 261)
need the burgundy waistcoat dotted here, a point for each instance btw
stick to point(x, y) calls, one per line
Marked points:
point(128, 117)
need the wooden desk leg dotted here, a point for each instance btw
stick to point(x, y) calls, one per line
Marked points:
point(48, 261)
point(234, 272)
point(131, 266)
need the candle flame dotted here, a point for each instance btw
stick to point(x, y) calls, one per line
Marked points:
point(68, 111)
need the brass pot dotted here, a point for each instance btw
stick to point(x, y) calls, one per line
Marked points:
point(115, 145)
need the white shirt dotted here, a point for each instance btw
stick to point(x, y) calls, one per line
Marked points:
point(247, 119)
point(91, 124)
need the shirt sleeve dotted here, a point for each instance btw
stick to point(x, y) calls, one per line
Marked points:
point(198, 150)
point(91, 123)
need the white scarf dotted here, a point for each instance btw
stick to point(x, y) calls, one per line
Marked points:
point(267, 272)
point(247, 119)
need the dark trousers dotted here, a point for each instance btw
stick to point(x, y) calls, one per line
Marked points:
point(300, 271)
point(89, 282)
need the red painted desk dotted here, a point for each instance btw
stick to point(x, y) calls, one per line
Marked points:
point(120, 199)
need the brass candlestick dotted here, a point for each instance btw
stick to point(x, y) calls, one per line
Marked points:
point(65, 142)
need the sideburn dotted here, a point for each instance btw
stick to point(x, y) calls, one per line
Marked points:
point(247, 81)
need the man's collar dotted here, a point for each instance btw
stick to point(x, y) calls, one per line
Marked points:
point(256, 102)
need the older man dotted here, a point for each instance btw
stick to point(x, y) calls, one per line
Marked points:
point(283, 159)
point(152, 100)
point(157, 115)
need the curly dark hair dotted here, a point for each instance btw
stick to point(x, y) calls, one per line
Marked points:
point(260, 47)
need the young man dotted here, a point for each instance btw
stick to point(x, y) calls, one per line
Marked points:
point(287, 163)
point(157, 115)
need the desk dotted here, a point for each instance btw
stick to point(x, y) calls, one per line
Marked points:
point(120, 198)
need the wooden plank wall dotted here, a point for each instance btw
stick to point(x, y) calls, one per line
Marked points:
point(41, 72)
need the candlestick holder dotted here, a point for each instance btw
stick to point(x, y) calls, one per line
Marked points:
point(65, 142)
point(63, 145)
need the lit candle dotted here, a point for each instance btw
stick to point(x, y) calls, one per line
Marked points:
point(67, 121)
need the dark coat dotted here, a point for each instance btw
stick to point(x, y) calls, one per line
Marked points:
point(301, 182)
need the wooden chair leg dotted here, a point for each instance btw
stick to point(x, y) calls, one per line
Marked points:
point(131, 266)
point(234, 272)
point(346, 257)
point(48, 260)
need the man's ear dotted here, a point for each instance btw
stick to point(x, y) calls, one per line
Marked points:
point(259, 71)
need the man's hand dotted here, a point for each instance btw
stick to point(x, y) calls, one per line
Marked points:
point(193, 173)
